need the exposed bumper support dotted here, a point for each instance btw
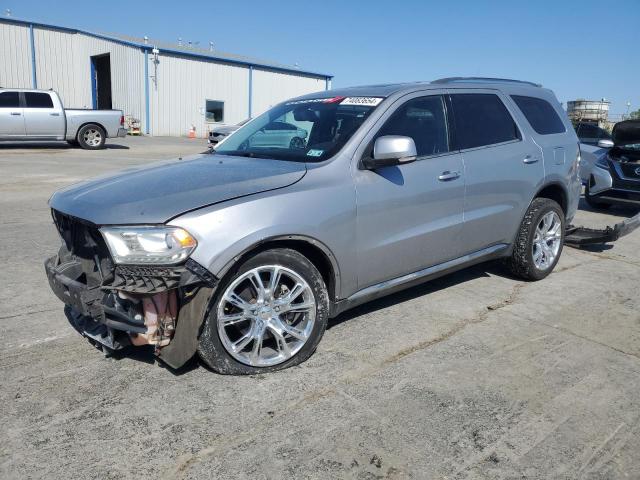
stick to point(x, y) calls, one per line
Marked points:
point(123, 309)
point(582, 236)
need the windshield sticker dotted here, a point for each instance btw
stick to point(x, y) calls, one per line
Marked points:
point(365, 101)
point(316, 100)
point(314, 153)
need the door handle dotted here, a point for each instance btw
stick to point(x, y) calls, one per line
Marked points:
point(446, 176)
point(54, 114)
point(529, 159)
point(16, 113)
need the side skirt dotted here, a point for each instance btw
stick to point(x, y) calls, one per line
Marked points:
point(406, 281)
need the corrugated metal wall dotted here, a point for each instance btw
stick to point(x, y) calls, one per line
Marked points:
point(271, 88)
point(63, 62)
point(177, 97)
point(184, 85)
point(15, 56)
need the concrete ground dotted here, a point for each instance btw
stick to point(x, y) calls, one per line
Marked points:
point(476, 375)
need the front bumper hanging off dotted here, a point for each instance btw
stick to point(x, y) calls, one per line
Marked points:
point(102, 314)
point(582, 236)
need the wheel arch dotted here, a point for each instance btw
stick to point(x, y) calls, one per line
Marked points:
point(82, 125)
point(554, 191)
point(314, 250)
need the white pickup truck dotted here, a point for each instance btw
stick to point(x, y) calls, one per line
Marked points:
point(39, 115)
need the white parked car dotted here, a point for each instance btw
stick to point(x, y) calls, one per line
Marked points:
point(278, 135)
point(594, 143)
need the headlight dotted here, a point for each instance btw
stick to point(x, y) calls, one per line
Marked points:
point(149, 245)
point(602, 162)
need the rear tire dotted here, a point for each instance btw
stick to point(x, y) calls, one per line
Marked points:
point(531, 248)
point(593, 202)
point(91, 137)
point(299, 322)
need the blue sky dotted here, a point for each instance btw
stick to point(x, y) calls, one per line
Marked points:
point(580, 49)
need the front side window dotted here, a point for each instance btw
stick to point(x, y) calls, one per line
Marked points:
point(482, 119)
point(9, 100)
point(540, 114)
point(214, 111)
point(424, 120)
point(38, 100)
point(309, 130)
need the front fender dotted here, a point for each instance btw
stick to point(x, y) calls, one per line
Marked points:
point(324, 217)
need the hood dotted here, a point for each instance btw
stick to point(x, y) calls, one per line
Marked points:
point(157, 193)
point(626, 133)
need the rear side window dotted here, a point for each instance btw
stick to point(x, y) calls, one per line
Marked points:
point(9, 100)
point(540, 114)
point(424, 120)
point(482, 119)
point(38, 100)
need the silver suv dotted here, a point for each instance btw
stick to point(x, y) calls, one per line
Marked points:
point(244, 254)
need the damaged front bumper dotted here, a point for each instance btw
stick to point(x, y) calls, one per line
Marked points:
point(119, 305)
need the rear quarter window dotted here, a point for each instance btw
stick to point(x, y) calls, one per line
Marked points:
point(481, 119)
point(540, 114)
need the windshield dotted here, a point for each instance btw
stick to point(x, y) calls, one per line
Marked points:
point(303, 130)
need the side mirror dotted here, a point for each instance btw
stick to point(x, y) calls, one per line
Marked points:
point(391, 150)
point(605, 143)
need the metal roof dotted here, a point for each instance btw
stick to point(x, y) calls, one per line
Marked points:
point(175, 49)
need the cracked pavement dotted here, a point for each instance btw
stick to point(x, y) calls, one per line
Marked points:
point(473, 376)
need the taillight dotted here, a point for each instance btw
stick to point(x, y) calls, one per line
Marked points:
point(121, 120)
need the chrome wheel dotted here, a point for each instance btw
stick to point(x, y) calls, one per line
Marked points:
point(547, 240)
point(92, 137)
point(266, 315)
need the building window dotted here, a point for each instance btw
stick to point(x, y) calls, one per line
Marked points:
point(214, 111)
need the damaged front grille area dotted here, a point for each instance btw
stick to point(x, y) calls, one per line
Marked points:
point(148, 280)
point(117, 305)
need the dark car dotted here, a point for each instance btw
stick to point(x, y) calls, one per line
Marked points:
point(591, 134)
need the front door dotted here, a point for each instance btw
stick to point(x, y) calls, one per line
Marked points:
point(410, 216)
point(11, 116)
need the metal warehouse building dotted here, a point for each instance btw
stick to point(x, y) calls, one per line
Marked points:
point(168, 88)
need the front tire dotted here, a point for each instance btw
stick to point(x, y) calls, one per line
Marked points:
point(539, 241)
point(267, 314)
point(91, 137)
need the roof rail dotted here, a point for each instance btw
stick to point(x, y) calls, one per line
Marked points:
point(483, 79)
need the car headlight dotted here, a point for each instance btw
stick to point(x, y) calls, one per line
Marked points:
point(148, 245)
point(603, 162)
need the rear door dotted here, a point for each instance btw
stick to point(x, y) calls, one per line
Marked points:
point(556, 139)
point(11, 115)
point(42, 117)
point(503, 168)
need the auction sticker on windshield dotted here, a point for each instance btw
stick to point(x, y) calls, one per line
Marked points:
point(365, 101)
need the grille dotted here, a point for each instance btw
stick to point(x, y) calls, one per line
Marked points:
point(629, 170)
point(83, 242)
